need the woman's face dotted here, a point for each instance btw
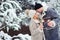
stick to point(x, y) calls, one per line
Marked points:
point(40, 10)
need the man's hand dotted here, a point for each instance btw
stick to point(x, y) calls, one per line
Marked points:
point(51, 24)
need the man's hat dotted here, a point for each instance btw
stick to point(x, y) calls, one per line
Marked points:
point(38, 5)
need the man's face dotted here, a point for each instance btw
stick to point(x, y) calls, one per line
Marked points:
point(40, 10)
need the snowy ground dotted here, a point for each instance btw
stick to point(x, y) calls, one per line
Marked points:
point(5, 36)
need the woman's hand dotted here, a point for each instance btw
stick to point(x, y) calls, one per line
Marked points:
point(41, 26)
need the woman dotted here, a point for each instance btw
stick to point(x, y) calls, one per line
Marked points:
point(35, 27)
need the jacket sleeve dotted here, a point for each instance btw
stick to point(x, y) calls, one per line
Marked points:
point(54, 14)
point(34, 29)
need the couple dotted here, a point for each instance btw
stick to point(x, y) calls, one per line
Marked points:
point(44, 26)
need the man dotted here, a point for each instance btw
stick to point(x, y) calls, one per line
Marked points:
point(50, 21)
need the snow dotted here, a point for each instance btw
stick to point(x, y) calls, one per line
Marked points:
point(5, 36)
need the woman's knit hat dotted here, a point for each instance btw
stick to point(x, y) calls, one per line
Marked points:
point(38, 5)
